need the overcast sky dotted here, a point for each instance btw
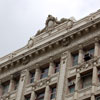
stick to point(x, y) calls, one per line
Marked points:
point(20, 19)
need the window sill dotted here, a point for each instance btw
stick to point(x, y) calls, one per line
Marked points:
point(85, 89)
point(70, 94)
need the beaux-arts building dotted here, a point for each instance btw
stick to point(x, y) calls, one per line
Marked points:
point(61, 62)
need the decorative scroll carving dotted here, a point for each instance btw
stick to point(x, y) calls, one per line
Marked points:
point(51, 22)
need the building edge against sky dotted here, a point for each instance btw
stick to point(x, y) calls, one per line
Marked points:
point(61, 62)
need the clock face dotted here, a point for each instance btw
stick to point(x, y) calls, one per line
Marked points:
point(50, 23)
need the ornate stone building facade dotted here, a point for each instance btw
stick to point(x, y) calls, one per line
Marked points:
point(61, 62)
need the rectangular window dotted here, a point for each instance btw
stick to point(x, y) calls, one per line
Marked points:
point(75, 59)
point(5, 86)
point(71, 84)
point(27, 97)
point(87, 80)
point(99, 74)
point(72, 88)
point(98, 98)
point(89, 53)
point(53, 93)
point(16, 83)
point(40, 96)
point(32, 75)
point(44, 72)
point(57, 66)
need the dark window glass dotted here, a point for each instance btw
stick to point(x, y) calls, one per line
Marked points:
point(91, 51)
point(27, 97)
point(40, 96)
point(75, 59)
point(44, 72)
point(72, 88)
point(57, 66)
point(98, 98)
point(5, 87)
point(32, 75)
point(99, 75)
point(87, 80)
point(53, 93)
point(16, 81)
point(89, 54)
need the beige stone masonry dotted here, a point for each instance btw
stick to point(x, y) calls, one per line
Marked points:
point(51, 68)
point(47, 93)
point(24, 75)
point(37, 74)
point(33, 96)
point(97, 48)
point(81, 55)
point(62, 77)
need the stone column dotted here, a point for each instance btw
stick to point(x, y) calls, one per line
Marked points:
point(51, 67)
point(11, 84)
point(33, 96)
point(7, 98)
point(81, 54)
point(22, 82)
point(77, 84)
point(62, 77)
point(47, 93)
point(97, 48)
point(37, 74)
point(1, 99)
point(94, 79)
point(93, 97)
point(70, 60)
point(0, 89)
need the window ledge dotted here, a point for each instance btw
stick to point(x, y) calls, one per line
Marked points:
point(85, 89)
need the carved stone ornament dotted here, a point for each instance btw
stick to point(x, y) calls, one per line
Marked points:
point(26, 61)
point(30, 43)
point(51, 22)
point(65, 42)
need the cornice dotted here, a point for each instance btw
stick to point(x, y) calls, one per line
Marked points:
point(57, 38)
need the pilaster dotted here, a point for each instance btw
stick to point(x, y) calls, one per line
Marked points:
point(81, 54)
point(62, 77)
point(23, 78)
point(37, 73)
point(0, 89)
point(93, 97)
point(11, 84)
point(94, 79)
point(51, 67)
point(47, 93)
point(77, 83)
point(97, 48)
point(33, 96)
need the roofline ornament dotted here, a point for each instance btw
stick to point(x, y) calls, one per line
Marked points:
point(51, 22)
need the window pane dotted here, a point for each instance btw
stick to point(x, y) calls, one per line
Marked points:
point(98, 98)
point(53, 93)
point(40, 96)
point(32, 75)
point(57, 66)
point(5, 87)
point(27, 97)
point(72, 88)
point(44, 73)
point(75, 59)
point(87, 81)
point(91, 51)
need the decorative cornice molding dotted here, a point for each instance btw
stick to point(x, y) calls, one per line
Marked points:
point(65, 42)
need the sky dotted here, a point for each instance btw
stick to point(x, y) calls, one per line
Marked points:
point(21, 19)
